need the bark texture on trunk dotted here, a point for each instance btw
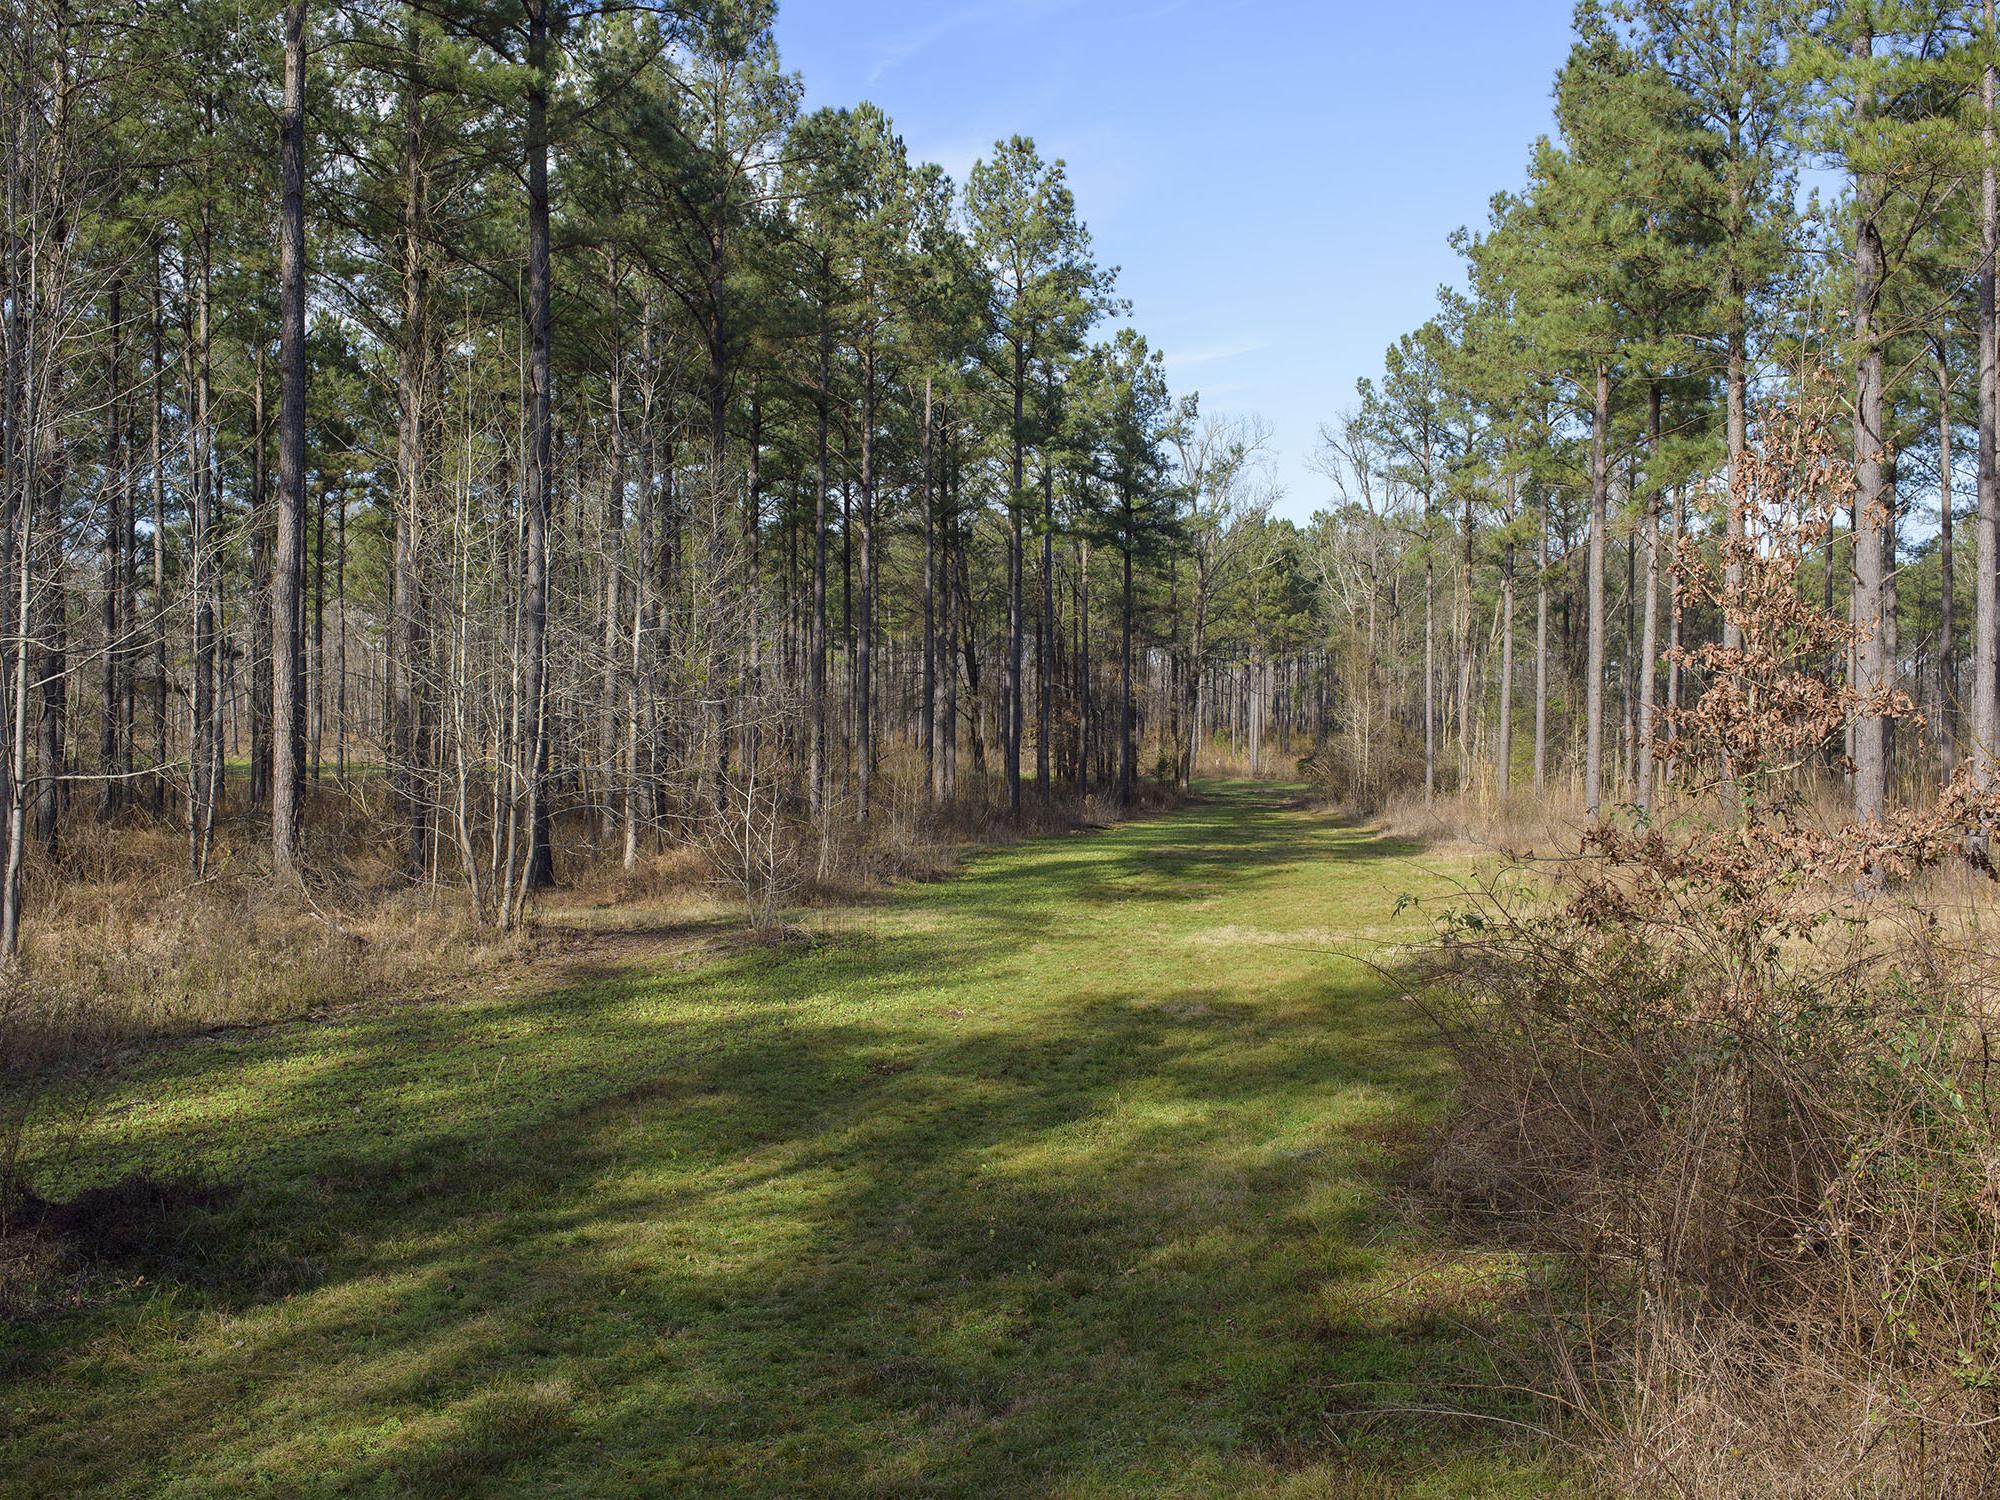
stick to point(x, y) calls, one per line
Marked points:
point(1874, 482)
point(1985, 714)
point(1593, 685)
point(538, 870)
point(288, 726)
point(1014, 570)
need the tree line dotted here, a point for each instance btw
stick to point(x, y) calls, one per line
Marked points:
point(1743, 203)
point(525, 414)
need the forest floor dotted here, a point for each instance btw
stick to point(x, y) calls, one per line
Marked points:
point(1072, 1175)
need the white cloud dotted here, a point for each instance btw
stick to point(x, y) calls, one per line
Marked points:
point(1178, 360)
point(894, 51)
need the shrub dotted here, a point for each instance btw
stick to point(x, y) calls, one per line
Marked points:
point(1737, 1085)
point(1361, 776)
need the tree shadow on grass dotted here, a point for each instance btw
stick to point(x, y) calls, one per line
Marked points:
point(1228, 842)
point(716, 1234)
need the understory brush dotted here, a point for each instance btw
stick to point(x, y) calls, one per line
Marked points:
point(769, 855)
point(1519, 822)
point(1384, 783)
point(1728, 1069)
point(1775, 1226)
point(1233, 760)
point(1361, 766)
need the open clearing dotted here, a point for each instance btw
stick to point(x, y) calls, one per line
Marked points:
point(1062, 1177)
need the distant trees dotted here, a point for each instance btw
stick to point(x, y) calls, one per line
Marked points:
point(1045, 291)
point(1411, 412)
point(1133, 512)
point(1225, 500)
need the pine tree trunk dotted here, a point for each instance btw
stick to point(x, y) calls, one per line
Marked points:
point(340, 643)
point(1044, 708)
point(117, 486)
point(157, 462)
point(722, 576)
point(1649, 647)
point(1593, 686)
point(1503, 759)
point(1649, 629)
point(1873, 485)
point(1674, 626)
point(44, 461)
point(15, 404)
point(412, 372)
point(128, 609)
point(288, 744)
point(1737, 420)
point(954, 626)
point(1082, 667)
point(927, 703)
point(1542, 643)
point(17, 802)
point(1014, 570)
point(816, 767)
point(644, 523)
point(1125, 748)
point(865, 659)
point(263, 536)
point(968, 630)
point(753, 622)
point(538, 868)
point(1986, 539)
point(1430, 663)
point(203, 750)
point(1466, 712)
point(613, 548)
point(1945, 716)
point(316, 644)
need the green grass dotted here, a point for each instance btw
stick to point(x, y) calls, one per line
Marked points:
point(1063, 1177)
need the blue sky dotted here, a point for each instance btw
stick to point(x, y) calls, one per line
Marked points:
point(1275, 179)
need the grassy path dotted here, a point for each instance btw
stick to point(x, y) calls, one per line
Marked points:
point(1058, 1178)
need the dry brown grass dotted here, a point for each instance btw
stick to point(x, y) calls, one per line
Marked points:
point(1771, 1231)
point(1485, 822)
point(1223, 763)
point(1387, 789)
point(116, 927)
point(122, 944)
point(1728, 1408)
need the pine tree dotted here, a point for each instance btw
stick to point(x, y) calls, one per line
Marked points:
point(1135, 513)
point(1046, 291)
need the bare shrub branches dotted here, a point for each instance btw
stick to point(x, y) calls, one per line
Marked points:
point(1726, 1066)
